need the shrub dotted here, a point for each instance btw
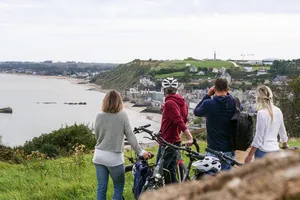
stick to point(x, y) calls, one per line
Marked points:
point(198, 120)
point(8, 154)
point(50, 150)
point(61, 140)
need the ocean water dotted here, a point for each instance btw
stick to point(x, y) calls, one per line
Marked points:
point(31, 116)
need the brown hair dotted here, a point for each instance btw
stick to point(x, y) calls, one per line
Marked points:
point(112, 102)
point(221, 85)
point(170, 90)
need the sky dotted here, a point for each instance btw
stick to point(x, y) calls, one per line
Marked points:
point(122, 30)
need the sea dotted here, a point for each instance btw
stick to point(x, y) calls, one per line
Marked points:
point(40, 105)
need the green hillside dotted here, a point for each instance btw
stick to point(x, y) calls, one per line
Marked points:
point(181, 64)
point(126, 75)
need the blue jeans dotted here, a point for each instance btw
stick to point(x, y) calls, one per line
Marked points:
point(259, 153)
point(224, 166)
point(117, 174)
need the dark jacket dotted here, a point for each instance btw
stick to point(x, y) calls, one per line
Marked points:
point(218, 112)
point(174, 117)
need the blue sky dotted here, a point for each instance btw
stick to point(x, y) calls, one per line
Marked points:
point(122, 30)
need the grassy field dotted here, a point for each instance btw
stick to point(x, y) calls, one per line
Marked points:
point(61, 179)
point(197, 64)
point(258, 67)
point(175, 74)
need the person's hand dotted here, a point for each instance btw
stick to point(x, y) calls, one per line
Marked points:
point(211, 91)
point(284, 145)
point(248, 159)
point(147, 155)
point(189, 142)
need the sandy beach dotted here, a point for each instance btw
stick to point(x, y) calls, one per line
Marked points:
point(91, 86)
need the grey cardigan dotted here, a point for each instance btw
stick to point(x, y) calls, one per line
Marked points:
point(110, 129)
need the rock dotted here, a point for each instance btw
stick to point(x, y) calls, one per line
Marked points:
point(6, 110)
point(275, 177)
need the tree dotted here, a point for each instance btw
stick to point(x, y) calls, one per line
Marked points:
point(288, 99)
point(204, 84)
point(186, 77)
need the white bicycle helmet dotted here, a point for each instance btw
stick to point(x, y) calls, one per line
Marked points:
point(208, 164)
point(169, 83)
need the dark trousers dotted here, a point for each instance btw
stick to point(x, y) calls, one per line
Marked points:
point(171, 157)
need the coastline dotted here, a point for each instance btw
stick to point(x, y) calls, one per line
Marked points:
point(93, 87)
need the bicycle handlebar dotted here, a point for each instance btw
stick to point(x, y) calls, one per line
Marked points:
point(196, 145)
point(223, 156)
point(159, 139)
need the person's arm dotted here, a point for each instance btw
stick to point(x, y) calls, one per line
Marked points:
point(259, 136)
point(251, 153)
point(176, 118)
point(283, 134)
point(189, 137)
point(200, 109)
point(174, 115)
point(131, 137)
point(97, 127)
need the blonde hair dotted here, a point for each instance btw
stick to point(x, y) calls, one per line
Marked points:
point(264, 99)
point(112, 102)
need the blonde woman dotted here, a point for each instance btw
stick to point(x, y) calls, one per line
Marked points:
point(269, 125)
point(110, 128)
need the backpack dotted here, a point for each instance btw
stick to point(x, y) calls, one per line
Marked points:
point(142, 172)
point(243, 128)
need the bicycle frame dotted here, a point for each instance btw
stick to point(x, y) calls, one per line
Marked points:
point(158, 178)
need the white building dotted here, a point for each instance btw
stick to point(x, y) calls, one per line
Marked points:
point(252, 62)
point(262, 72)
point(215, 70)
point(193, 69)
point(201, 73)
point(146, 81)
point(133, 91)
point(248, 69)
point(268, 61)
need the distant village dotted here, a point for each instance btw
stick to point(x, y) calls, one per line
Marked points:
point(49, 68)
point(145, 93)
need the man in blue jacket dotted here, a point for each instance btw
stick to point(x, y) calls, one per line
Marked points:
point(218, 112)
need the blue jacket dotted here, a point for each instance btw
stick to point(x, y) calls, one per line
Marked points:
point(218, 112)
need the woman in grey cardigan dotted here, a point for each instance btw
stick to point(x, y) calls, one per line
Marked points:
point(110, 128)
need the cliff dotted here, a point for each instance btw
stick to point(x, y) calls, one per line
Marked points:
point(126, 75)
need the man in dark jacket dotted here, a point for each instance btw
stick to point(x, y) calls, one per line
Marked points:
point(218, 112)
point(174, 119)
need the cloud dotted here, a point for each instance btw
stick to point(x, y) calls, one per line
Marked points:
point(121, 30)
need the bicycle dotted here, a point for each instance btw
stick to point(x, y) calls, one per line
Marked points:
point(161, 176)
point(193, 156)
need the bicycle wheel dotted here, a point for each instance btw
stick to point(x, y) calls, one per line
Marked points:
point(128, 187)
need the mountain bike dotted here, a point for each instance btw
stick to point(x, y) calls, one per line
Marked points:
point(161, 176)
